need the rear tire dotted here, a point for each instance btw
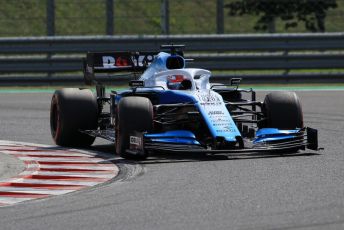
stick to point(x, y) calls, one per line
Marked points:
point(283, 111)
point(134, 114)
point(72, 110)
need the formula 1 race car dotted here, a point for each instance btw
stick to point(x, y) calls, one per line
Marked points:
point(171, 108)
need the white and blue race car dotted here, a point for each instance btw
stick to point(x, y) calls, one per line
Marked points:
point(172, 108)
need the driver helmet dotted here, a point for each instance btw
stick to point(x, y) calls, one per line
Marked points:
point(174, 81)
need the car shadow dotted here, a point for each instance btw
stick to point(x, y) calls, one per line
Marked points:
point(107, 151)
point(161, 158)
point(164, 157)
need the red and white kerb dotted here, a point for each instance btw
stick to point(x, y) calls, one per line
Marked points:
point(50, 171)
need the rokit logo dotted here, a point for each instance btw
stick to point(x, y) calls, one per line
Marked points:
point(118, 62)
point(112, 62)
point(108, 62)
point(143, 60)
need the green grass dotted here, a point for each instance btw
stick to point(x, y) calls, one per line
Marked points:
point(22, 18)
point(88, 17)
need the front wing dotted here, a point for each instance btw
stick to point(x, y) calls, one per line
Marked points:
point(302, 139)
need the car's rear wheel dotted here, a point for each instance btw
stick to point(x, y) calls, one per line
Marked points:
point(135, 114)
point(73, 110)
point(283, 111)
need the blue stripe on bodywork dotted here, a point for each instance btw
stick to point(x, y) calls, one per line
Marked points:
point(273, 134)
point(175, 136)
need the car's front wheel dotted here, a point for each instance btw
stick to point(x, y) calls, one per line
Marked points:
point(283, 110)
point(135, 114)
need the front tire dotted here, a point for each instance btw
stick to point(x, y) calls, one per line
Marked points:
point(283, 111)
point(73, 110)
point(135, 114)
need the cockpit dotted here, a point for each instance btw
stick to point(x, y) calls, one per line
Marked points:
point(178, 82)
point(168, 72)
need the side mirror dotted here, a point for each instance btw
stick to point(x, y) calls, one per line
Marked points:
point(235, 81)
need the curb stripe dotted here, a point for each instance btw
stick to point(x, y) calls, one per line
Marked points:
point(73, 174)
point(35, 190)
point(51, 171)
point(78, 166)
point(48, 186)
point(73, 170)
point(22, 195)
point(58, 182)
point(65, 178)
point(62, 159)
point(66, 163)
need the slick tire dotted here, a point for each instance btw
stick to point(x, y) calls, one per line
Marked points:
point(134, 114)
point(72, 110)
point(283, 111)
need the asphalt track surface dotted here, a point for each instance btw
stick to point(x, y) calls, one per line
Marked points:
point(303, 191)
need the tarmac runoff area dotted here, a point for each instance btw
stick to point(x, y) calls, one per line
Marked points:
point(29, 171)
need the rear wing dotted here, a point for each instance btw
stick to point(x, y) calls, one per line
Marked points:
point(113, 62)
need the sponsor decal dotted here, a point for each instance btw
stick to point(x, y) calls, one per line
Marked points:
point(208, 97)
point(110, 62)
point(135, 141)
point(215, 113)
point(142, 60)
